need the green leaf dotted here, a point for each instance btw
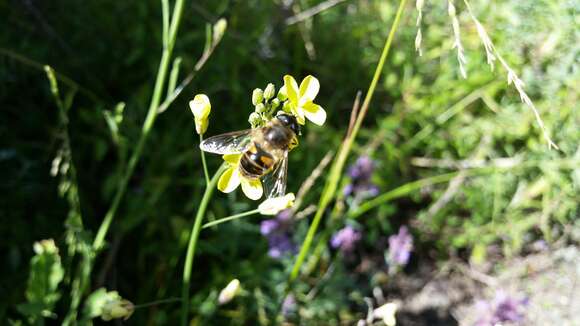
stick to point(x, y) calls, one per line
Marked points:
point(46, 273)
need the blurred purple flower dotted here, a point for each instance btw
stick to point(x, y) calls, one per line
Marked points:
point(289, 305)
point(503, 308)
point(345, 239)
point(360, 173)
point(277, 231)
point(400, 247)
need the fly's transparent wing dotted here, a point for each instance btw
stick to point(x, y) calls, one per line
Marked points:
point(228, 143)
point(275, 181)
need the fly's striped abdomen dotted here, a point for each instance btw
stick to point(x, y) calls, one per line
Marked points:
point(256, 162)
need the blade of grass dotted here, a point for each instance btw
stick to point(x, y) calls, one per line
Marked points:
point(338, 165)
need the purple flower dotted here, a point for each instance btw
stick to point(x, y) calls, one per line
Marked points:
point(277, 231)
point(289, 305)
point(362, 169)
point(503, 308)
point(400, 247)
point(360, 173)
point(345, 239)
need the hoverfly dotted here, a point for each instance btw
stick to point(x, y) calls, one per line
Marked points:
point(264, 149)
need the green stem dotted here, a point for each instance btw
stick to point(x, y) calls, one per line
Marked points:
point(418, 184)
point(204, 163)
point(147, 125)
point(230, 218)
point(193, 242)
point(338, 165)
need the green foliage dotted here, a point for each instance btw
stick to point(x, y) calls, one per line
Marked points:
point(461, 161)
point(46, 273)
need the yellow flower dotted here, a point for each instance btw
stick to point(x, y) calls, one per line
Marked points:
point(229, 292)
point(273, 206)
point(231, 179)
point(300, 99)
point(200, 107)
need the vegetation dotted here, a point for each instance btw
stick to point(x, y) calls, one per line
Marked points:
point(451, 130)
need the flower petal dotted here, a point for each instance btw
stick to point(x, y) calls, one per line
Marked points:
point(309, 87)
point(232, 159)
point(252, 188)
point(200, 107)
point(273, 206)
point(315, 113)
point(229, 180)
point(291, 87)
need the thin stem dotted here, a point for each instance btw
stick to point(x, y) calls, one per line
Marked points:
point(193, 242)
point(157, 302)
point(337, 167)
point(206, 174)
point(147, 125)
point(230, 218)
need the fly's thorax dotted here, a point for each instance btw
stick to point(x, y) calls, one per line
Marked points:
point(277, 136)
point(256, 162)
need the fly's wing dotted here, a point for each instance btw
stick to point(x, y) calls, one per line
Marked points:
point(275, 181)
point(228, 143)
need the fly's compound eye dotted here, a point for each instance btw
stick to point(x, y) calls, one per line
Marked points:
point(290, 122)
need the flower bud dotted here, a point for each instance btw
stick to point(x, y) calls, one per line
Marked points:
point(257, 96)
point(260, 108)
point(270, 91)
point(229, 292)
point(119, 308)
point(200, 107)
point(287, 107)
point(273, 206)
point(219, 29)
point(275, 103)
point(282, 95)
point(254, 119)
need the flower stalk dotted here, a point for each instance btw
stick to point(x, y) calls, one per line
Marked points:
point(193, 243)
point(338, 164)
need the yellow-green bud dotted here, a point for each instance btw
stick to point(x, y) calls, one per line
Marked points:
point(270, 91)
point(254, 119)
point(286, 106)
point(282, 96)
point(260, 108)
point(275, 103)
point(257, 96)
point(119, 308)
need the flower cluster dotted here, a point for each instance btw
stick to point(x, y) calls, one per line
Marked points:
point(360, 174)
point(291, 99)
point(503, 308)
point(400, 247)
point(345, 239)
point(277, 231)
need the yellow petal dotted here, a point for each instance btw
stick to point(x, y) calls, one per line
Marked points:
point(252, 188)
point(299, 114)
point(229, 180)
point(315, 113)
point(232, 159)
point(309, 87)
point(291, 88)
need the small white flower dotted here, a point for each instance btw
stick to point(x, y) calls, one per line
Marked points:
point(229, 292)
point(273, 206)
point(200, 107)
point(387, 313)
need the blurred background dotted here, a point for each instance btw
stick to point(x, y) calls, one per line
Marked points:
point(500, 224)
